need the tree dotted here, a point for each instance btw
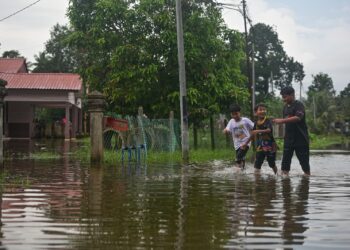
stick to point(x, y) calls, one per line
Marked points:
point(343, 103)
point(321, 102)
point(321, 82)
point(129, 52)
point(272, 62)
point(345, 93)
point(11, 54)
point(58, 56)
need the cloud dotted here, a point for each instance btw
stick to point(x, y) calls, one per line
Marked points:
point(28, 30)
point(321, 46)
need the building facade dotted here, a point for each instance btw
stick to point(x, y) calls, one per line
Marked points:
point(29, 92)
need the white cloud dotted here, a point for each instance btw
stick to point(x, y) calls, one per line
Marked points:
point(322, 48)
point(28, 30)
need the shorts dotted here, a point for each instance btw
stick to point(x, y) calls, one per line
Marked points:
point(240, 154)
point(260, 157)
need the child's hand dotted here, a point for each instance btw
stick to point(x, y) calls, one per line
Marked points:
point(253, 132)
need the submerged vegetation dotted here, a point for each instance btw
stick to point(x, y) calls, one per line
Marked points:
point(201, 155)
point(13, 181)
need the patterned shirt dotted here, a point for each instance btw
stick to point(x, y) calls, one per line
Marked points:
point(264, 141)
point(240, 131)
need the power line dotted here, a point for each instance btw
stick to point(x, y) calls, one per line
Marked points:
point(15, 13)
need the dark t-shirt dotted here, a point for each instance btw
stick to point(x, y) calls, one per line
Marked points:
point(296, 133)
point(265, 141)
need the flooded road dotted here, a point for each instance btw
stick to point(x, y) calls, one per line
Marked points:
point(64, 204)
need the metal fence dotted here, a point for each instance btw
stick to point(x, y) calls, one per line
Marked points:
point(152, 134)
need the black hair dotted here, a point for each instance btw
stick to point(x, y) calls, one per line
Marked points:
point(235, 108)
point(259, 105)
point(287, 91)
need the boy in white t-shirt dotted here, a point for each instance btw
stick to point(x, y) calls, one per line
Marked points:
point(240, 128)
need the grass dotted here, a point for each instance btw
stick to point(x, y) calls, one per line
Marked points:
point(9, 181)
point(196, 156)
point(44, 155)
point(326, 141)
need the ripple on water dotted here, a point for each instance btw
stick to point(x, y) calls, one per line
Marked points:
point(67, 205)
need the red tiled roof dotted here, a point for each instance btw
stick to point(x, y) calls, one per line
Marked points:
point(54, 81)
point(11, 65)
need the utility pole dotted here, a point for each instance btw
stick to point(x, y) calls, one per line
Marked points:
point(182, 78)
point(314, 111)
point(301, 85)
point(3, 93)
point(271, 82)
point(249, 85)
point(253, 76)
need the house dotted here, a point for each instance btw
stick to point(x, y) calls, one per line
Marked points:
point(28, 92)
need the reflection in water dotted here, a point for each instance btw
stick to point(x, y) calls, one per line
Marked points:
point(264, 192)
point(68, 205)
point(295, 210)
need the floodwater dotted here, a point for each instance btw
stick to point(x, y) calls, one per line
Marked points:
point(63, 204)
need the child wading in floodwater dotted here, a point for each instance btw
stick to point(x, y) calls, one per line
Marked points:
point(265, 143)
point(240, 128)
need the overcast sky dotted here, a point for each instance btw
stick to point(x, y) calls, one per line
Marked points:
point(315, 32)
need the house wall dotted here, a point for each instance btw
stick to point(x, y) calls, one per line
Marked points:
point(19, 117)
point(19, 112)
point(23, 95)
point(21, 104)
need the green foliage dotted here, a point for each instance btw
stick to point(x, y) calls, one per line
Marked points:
point(274, 107)
point(11, 54)
point(322, 109)
point(345, 93)
point(48, 115)
point(7, 180)
point(321, 82)
point(58, 56)
point(272, 60)
point(343, 103)
point(321, 104)
point(129, 51)
point(324, 141)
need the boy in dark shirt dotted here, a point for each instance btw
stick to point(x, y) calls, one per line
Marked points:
point(296, 134)
point(265, 143)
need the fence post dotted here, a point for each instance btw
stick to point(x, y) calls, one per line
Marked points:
point(141, 131)
point(96, 102)
point(172, 140)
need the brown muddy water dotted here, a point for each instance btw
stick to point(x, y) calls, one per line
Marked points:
point(64, 204)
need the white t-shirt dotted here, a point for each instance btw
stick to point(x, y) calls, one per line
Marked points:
point(240, 131)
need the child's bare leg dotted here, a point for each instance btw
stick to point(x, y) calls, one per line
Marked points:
point(274, 169)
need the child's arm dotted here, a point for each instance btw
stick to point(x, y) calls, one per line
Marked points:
point(260, 131)
point(226, 131)
point(255, 132)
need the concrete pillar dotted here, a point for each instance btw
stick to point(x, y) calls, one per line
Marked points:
point(3, 92)
point(172, 141)
point(80, 121)
point(96, 102)
point(74, 121)
point(67, 124)
point(6, 128)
